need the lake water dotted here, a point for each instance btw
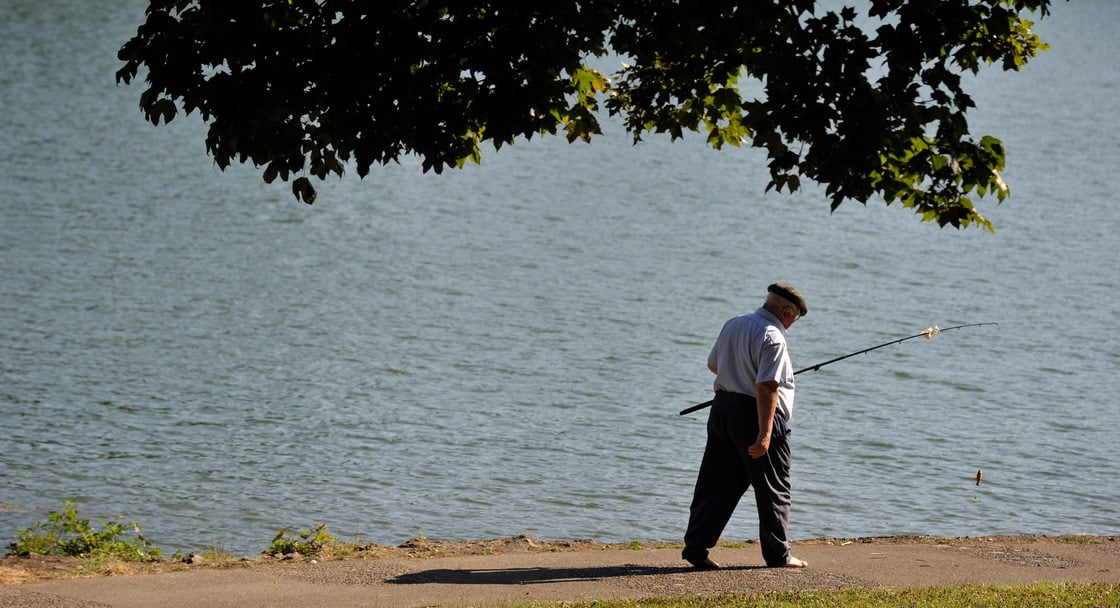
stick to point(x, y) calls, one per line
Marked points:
point(503, 350)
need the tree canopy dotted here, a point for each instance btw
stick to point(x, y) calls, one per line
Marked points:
point(868, 103)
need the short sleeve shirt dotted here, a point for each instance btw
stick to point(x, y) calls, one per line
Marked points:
point(750, 349)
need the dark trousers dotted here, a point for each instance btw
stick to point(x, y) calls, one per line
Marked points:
point(726, 472)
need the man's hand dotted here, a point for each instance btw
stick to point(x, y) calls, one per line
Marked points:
point(758, 450)
point(767, 396)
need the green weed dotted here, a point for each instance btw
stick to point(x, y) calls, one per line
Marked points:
point(64, 533)
point(304, 543)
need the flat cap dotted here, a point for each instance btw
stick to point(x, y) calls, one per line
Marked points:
point(790, 293)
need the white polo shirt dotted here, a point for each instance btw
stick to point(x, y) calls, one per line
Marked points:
point(750, 349)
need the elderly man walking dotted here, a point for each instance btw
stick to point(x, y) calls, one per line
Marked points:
point(748, 431)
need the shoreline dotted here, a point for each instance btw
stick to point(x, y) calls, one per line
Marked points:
point(527, 571)
point(16, 570)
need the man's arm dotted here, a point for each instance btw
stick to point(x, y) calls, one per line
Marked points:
point(766, 393)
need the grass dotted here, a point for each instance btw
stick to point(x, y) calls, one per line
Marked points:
point(1081, 539)
point(1042, 595)
point(216, 552)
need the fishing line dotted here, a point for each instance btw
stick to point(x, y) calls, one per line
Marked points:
point(927, 333)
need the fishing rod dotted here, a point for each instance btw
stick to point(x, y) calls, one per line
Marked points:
point(927, 333)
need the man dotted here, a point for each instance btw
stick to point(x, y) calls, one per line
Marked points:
point(748, 431)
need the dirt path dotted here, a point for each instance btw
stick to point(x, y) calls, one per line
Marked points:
point(525, 569)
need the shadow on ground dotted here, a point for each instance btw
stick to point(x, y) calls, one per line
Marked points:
point(529, 576)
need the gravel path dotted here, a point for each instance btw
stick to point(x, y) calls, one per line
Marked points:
point(541, 571)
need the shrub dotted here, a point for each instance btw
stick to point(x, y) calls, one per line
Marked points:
point(307, 541)
point(64, 533)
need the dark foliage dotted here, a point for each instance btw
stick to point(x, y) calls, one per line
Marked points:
point(868, 103)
